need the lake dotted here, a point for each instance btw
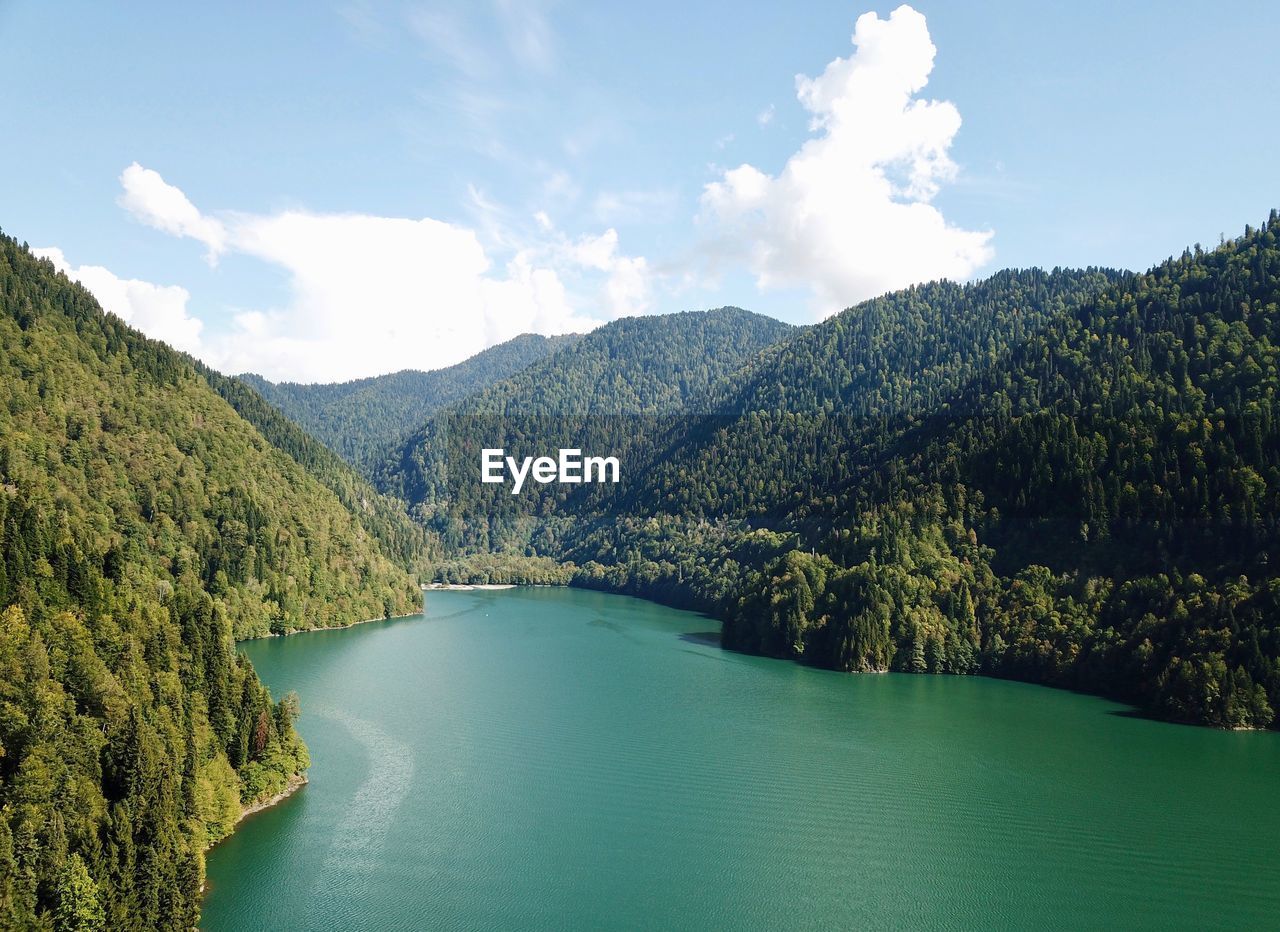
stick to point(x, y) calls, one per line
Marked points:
point(555, 758)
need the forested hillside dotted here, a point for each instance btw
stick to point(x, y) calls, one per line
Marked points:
point(362, 419)
point(143, 525)
point(1066, 477)
point(385, 519)
point(614, 392)
point(1094, 508)
point(804, 417)
point(655, 365)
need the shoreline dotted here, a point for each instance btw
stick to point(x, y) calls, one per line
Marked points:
point(1137, 710)
point(295, 782)
point(350, 624)
point(423, 587)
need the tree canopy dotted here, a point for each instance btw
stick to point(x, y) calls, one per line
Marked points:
point(144, 525)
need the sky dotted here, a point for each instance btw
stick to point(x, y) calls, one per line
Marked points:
point(326, 191)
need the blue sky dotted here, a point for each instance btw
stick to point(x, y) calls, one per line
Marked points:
point(322, 191)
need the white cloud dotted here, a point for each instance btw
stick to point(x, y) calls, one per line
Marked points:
point(373, 294)
point(849, 216)
point(156, 203)
point(627, 287)
point(159, 311)
point(765, 116)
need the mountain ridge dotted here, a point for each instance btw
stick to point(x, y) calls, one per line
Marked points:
point(648, 367)
point(936, 480)
point(361, 418)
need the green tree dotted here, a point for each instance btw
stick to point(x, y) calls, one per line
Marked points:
point(79, 906)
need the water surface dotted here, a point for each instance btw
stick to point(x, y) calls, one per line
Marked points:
point(551, 758)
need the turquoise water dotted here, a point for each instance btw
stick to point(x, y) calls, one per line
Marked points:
point(551, 758)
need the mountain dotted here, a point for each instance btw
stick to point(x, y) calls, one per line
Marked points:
point(144, 524)
point(771, 414)
point(800, 418)
point(359, 420)
point(385, 519)
point(657, 364)
point(1071, 478)
point(619, 385)
point(1094, 507)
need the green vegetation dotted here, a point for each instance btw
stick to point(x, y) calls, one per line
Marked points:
point(1065, 477)
point(1070, 478)
point(616, 392)
point(503, 569)
point(144, 525)
point(635, 366)
point(362, 419)
point(383, 518)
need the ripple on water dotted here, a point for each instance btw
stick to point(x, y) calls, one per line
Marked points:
point(358, 842)
point(562, 759)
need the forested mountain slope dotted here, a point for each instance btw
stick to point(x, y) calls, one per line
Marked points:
point(360, 420)
point(1097, 506)
point(614, 392)
point(1065, 477)
point(658, 364)
point(385, 519)
point(764, 428)
point(802, 417)
point(143, 525)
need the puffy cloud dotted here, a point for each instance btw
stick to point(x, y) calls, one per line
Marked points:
point(627, 287)
point(156, 203)
point(159, 311)
point(373, 294)
point(849, 216)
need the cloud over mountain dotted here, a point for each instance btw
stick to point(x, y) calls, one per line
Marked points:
point(371, 294)
point(159, 311)
point(850, 215)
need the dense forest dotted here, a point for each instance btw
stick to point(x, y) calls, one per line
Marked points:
point(362, 419)
point(1064, 477)
point(621, 386)
point(144, 525)
point(385, 519)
